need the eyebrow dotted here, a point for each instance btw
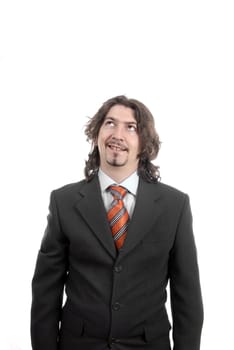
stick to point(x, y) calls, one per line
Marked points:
point(134, 122)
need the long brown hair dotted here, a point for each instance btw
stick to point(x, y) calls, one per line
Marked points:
point(148, 135)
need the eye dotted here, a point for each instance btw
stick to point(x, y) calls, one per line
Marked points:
point(109, 123)
point(132, 127)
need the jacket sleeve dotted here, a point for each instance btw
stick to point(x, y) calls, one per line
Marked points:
point(48, 284)
point(185, 291)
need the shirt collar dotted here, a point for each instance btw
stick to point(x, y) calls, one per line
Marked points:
point(130, 183)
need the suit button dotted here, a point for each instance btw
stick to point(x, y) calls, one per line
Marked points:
point(116, 306)
point(114, 340)
point(118, 268)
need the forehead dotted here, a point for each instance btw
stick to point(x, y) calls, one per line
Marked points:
point(121, 113)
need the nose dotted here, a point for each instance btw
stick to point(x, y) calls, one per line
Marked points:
point(118, 132)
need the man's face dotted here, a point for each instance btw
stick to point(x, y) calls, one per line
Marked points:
point(118, 141)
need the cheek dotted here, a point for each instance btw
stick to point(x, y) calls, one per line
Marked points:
point(101, 142)
point(99, 139)
point(137, 147)
point(103, 136)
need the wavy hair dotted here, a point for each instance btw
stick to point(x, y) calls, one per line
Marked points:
point(148, 136)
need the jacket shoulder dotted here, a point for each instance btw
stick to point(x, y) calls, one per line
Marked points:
point(70, 187)
point(165, 190)
point(172, 197)
point(68, 191)
point(170, 190)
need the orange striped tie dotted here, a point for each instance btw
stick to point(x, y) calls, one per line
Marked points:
point(118, 216)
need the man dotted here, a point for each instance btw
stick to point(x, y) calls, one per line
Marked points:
point(114, 240)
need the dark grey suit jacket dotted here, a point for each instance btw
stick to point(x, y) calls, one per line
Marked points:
point(116, 300)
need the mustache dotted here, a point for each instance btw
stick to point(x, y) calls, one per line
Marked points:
point(117, 143)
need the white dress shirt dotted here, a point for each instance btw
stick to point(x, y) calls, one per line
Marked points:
point(131, 184)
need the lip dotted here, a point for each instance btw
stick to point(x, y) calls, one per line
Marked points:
point(116, 147)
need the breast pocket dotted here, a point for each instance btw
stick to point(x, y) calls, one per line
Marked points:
point(158, 236)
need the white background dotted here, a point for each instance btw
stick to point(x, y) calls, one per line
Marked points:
point(59, 61)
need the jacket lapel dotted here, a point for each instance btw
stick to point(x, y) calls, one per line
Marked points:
point(147, 211)
point(91, 208)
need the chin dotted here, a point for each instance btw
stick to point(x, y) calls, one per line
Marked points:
point(116, 163)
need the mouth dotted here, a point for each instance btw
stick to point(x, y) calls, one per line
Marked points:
point(116, 147)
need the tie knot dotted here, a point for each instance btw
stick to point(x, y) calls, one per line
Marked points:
point(118, 192)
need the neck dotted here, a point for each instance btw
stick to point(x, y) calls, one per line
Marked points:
point(117, 174)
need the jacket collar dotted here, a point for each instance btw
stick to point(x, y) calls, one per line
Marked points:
point(147, 211)
point(91, 208)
